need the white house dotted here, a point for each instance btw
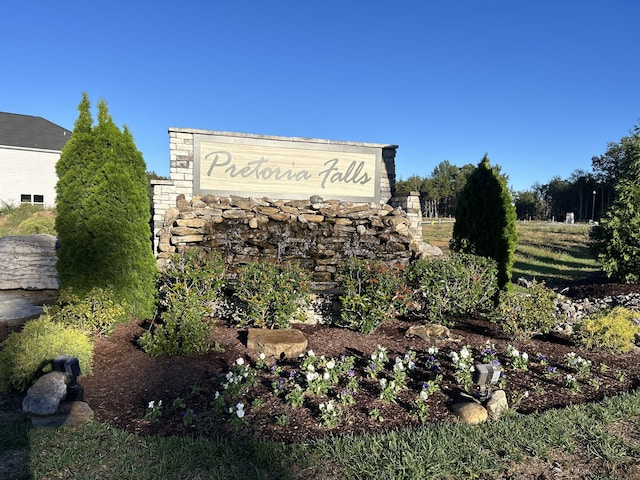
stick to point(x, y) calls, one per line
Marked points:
point(29, 149)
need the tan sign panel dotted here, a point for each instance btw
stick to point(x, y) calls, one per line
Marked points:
point(286, 168)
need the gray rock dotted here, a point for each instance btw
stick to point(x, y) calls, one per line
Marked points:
point(570, 312)
point(70, 414)
point(523, 282)
point(28, 263)
point(44, 396)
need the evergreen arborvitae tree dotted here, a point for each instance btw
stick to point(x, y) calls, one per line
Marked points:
point(486, 220)
point(616, 240)
point(103, 213)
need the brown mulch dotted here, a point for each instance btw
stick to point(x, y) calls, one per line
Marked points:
point(125, 379)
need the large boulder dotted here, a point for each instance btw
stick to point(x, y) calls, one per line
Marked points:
point(28, 263)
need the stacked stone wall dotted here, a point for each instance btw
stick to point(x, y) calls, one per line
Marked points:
point(320, 234)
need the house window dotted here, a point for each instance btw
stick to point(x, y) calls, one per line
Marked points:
point(25, 198)
point(38, 199)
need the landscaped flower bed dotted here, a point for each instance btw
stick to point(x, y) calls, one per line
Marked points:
point(348, 382)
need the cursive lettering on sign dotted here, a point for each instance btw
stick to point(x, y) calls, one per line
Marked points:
point(222, 160)
point(255, 168)
point(353, 173)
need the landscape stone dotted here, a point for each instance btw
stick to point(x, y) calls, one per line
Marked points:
point(289, 343)
point(45, 395)
point(28, 262)
point(70, 414)
point(470, 413)
point(295, 231)
point(497, 404)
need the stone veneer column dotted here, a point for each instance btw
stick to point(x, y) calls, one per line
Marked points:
point(181, 179)
point(410, 203)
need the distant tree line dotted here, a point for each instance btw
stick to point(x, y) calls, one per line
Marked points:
point(587, 195)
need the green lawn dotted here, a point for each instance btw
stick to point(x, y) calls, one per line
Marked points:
point(549, 252)
point(608, 433)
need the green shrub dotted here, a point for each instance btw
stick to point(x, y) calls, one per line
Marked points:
point(272, 294)
point(371, 294)
point(614, 330)
point(38, 224)
point(97, 313)
point(525, 314)
point(103, 213)
point(615, 241)
point(486, 220)
point(26, 355)
point(188, 291)
point(450, 286)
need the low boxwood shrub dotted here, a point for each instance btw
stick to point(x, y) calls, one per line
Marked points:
point(96, 314)
point(189, 289)
point(26, 355)
point(612, 330)
point(523, 314)
point(371, 294)
point(272, 294)
point(450, 286)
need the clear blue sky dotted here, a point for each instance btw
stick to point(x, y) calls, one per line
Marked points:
point(540, 86)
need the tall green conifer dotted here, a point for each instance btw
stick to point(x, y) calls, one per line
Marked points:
point(103, 213)
point(616, 240)
point(486, 220)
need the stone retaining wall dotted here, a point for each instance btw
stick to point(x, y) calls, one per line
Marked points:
point(317, 233)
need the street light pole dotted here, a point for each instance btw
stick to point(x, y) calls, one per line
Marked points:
point(593, 207)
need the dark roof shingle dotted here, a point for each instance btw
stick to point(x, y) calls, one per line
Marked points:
point(31, 132)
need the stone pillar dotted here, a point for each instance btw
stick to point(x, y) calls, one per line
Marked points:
point(164, 197)
point(388, 174)
point(410, 203)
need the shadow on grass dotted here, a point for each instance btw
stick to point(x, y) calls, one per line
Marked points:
point(14, 445)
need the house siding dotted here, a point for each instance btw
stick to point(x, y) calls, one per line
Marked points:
point(28, 171)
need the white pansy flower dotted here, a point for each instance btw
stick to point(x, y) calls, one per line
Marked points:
point(262, 356)
point(310, 353)
point(331, 364)
point(525, 356)
point(152, 404)
point(240, 361)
